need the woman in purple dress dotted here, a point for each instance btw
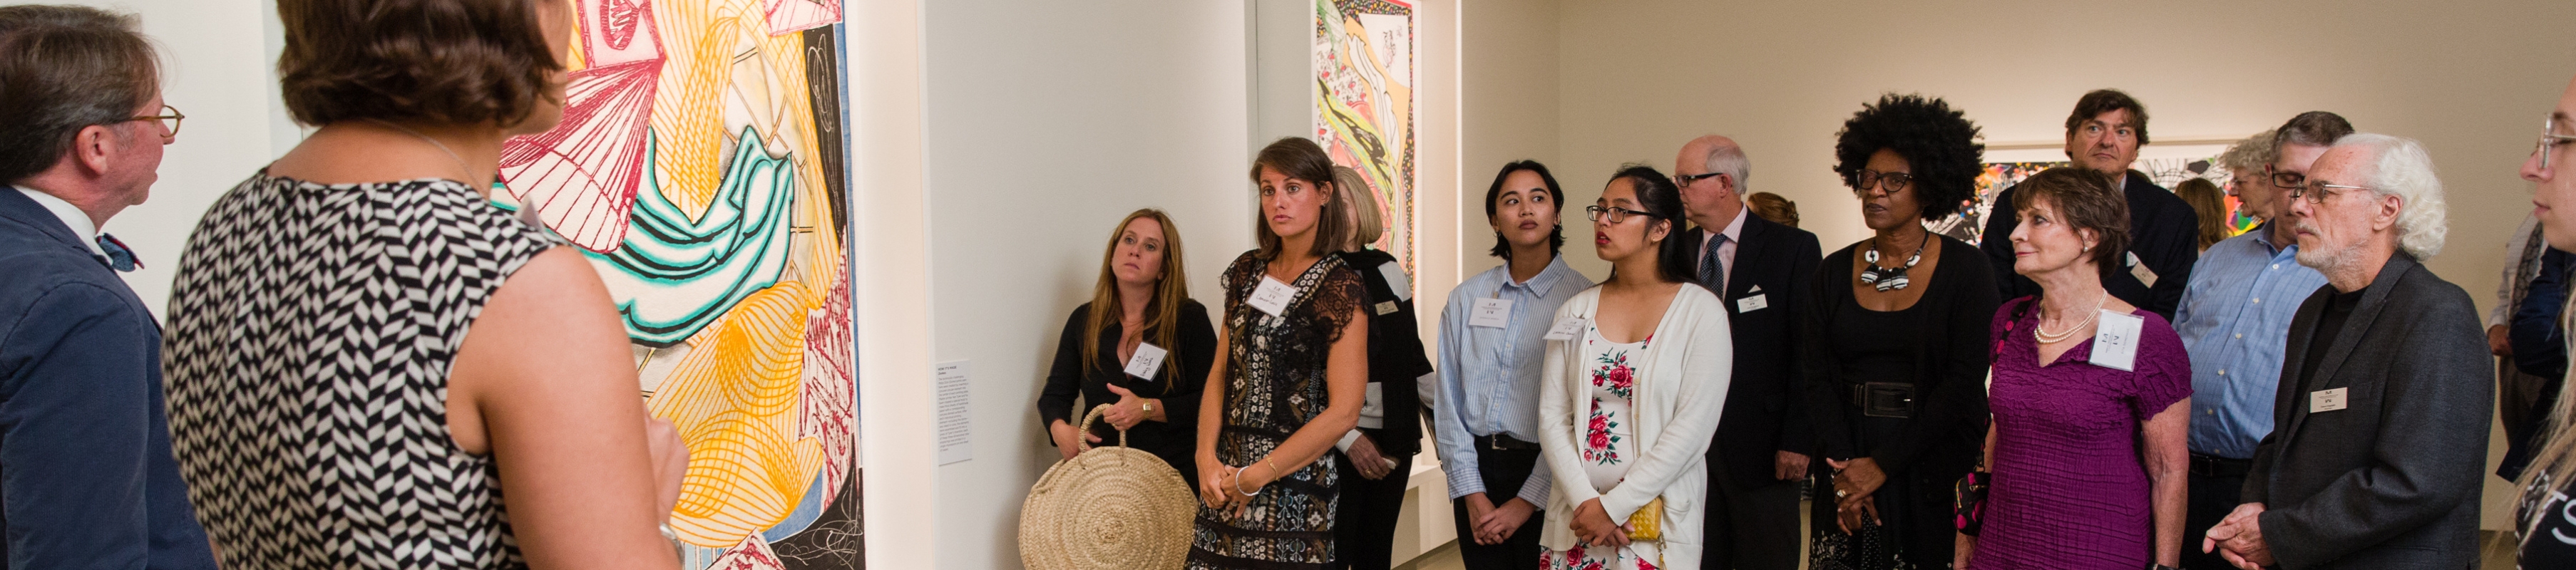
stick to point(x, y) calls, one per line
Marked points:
point(2081, 381)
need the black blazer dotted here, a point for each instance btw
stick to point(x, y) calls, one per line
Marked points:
point(1764, 407)
point(1176, 438)
point(2164, 232)
point(2392, 480)
point(1397, 361)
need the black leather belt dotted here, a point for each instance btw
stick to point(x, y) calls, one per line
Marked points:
point(2215, 466)
point(1884, 399)
point(1500, 441)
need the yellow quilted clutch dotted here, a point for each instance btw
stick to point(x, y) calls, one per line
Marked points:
point(1648, 522)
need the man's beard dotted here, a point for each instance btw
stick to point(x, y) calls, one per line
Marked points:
point(2322, 259)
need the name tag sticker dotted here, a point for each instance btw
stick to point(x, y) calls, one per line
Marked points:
point(1147, 361)
point(2327, 400)
point(1753, 303)
point(2140, 271)
point(1384, 307)
point(1565, 329)
point(1272, 296)
point(2115, 341)
point(1396, 280)
point(1491, 313)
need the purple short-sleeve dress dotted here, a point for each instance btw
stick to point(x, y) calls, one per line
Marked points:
point(2069, 490)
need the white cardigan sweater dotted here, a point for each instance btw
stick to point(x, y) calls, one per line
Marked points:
point(1681, 393)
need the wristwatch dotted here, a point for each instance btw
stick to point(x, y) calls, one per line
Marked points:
point(1149, 407)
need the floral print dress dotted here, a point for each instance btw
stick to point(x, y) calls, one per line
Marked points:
point(1608, 449)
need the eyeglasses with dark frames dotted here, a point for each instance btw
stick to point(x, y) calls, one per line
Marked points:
point(1892, 182)
point(169, 120)
point(1687, 179)
point(2291, 180)
point(2316, 191)
point(1615, 213)
point(2549, 139)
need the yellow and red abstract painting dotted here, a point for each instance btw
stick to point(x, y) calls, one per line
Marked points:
point(1364, 105)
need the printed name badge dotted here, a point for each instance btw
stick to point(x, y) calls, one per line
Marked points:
point(1753, 303)
point(1491, 313)
point(2327, 400)
point(2139, 270)
point(2115, 341)
point(1565, 329)
point(1272, 296)
point(1147, 361)
point(1396, 280)
point(1384, 307)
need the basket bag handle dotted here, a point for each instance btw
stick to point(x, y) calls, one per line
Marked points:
point(1084, 443)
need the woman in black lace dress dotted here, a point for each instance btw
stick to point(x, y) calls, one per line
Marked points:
point(1294, 363)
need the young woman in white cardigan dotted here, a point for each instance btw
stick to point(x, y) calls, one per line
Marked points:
point(1631, 397)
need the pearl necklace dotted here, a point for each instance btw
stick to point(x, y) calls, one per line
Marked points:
point(2040, 332)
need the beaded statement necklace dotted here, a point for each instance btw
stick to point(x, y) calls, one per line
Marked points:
point(1886, 279)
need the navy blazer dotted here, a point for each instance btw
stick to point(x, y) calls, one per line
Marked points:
point(86, 475)
point(1765, 412)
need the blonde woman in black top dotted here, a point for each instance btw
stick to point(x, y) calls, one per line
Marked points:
point(1140, 304)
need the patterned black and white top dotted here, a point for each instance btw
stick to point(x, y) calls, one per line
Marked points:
point(311, 330)
point(1275, 384)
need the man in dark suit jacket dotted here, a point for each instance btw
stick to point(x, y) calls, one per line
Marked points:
point(86, 475)
point(1761, 270)
point(2380, 426)
point(2104, 134)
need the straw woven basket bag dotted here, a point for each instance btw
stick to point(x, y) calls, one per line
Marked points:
point(1107, 508)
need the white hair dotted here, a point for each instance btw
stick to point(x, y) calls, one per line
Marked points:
point(2403, 169)
point(1729, 159)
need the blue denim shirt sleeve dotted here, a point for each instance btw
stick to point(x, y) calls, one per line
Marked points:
point(2235, 322)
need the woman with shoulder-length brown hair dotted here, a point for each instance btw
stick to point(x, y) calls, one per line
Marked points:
point(1141, 303)
point(363, 353)
point(1292, 365)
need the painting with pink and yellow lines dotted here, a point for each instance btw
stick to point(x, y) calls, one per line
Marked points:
point(699, 164)
point(1364, 105)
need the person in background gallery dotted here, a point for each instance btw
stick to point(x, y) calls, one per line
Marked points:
point(2381, 428)
point(2208, 204)
point(1292, 367)
point(1633, 386)
point(2104, 134)
point(2090, 401)
point(1895, 342)
point(2235, 337)
point(90, 482)
point(2543, 522)
point(1381, 450)
point(2523, 333)
point(1139, 305)
point(441, 385)
point(1772, 207)
point(1485, 415)
point(1759, 271)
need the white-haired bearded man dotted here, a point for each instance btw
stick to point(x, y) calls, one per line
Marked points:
point(2380, 424)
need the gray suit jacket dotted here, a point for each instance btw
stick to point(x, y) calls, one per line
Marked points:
point(2392, 480)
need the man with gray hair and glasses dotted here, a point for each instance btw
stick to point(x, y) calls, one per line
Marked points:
point(86, 475)
point(2380, 422)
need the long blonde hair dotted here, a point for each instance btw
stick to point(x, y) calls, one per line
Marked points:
point(1362, 223)
point(1162, 314)
point(2556, 457)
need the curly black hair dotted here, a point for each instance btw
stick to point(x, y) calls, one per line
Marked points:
point(1938, 143)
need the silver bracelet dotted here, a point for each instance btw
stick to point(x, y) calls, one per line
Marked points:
point(1238, 482)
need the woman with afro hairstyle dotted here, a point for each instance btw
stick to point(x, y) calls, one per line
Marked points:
point(1897, 334)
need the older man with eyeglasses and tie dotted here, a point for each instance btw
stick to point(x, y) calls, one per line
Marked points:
point(85, 462)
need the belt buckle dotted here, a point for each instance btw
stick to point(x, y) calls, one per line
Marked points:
point(1898, 399)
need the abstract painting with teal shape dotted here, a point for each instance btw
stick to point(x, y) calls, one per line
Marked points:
point(675, 271)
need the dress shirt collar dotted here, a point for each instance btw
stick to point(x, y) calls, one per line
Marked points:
point(2263, 235)
point(1734, 230)
point(72, 217)
point(1547, 278)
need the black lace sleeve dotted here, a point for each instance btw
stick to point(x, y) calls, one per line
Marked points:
point(1340, 294)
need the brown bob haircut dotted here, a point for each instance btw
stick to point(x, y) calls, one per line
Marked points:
point(2101, 101)
point(2084, 200)
point(1300, 159)
point(449, 61)
point(64, 69)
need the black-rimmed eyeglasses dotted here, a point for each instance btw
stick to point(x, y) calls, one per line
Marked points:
point(1892, 182)
point(1687, 179)
point(1615, 213)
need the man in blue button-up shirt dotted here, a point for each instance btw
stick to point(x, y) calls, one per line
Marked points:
point(2235, 321)
point(1492, 344)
